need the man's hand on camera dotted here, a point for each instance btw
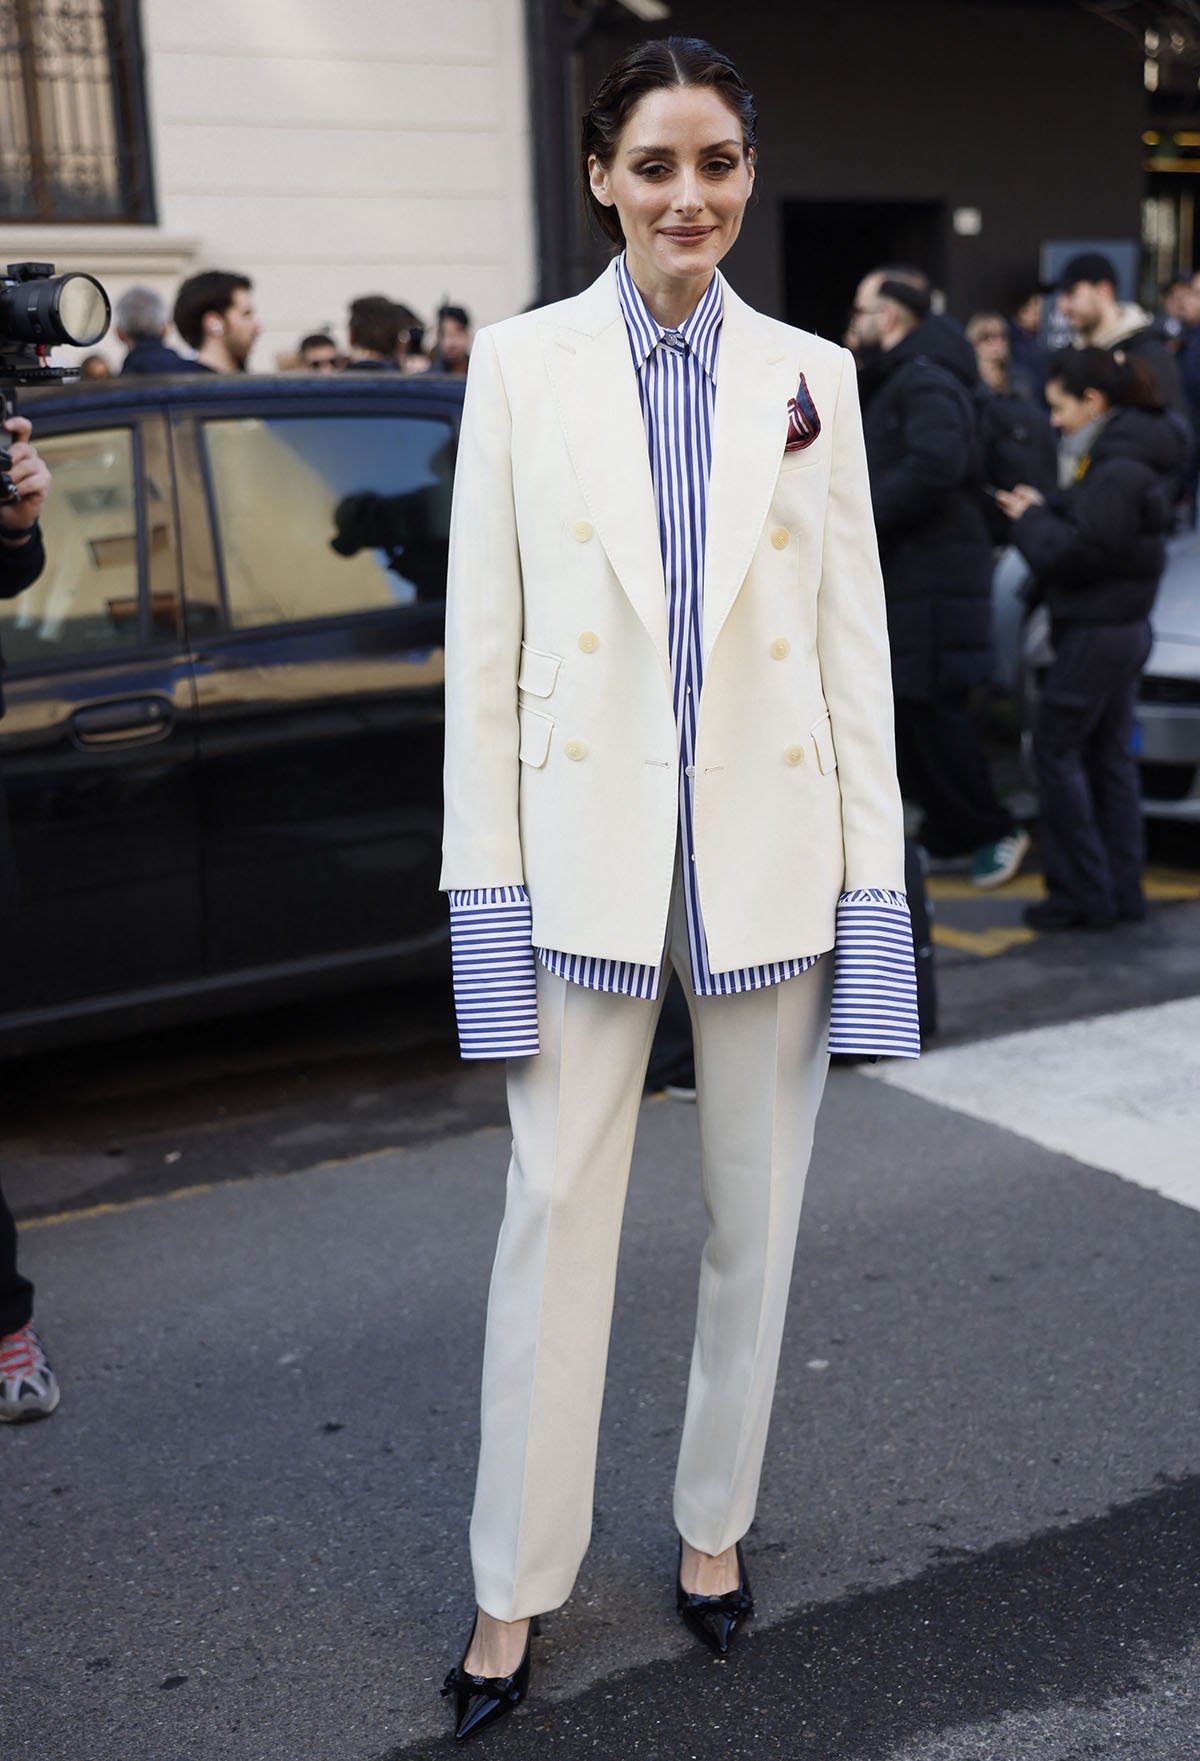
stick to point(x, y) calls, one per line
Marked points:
point(29, 475)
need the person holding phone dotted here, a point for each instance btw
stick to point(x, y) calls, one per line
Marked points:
point(1097, 551)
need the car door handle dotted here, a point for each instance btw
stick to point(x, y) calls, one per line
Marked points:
point(136, 720)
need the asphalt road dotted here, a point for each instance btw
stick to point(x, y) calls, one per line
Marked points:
point(262, 1253)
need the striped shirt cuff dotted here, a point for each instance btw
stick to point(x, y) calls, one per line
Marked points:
point(874, 1012)
point(495, 974)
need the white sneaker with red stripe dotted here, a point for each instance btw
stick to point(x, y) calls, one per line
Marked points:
point(28, 1387)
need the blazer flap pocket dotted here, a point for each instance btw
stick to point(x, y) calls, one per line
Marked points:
point(822, 736)
point(535, 737)
point(802, 458)
point(538, 671)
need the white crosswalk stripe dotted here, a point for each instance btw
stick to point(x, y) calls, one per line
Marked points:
point(1120, 1092)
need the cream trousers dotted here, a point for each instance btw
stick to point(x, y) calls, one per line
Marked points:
point(761, 1062)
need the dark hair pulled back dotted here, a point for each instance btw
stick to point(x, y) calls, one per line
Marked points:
point(1124, 379)
point(663, 62)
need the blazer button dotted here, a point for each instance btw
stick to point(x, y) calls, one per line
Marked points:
point(780, 648)
point(581, 531)
point(575, 749)
point(793, 755)
point(589, 641)
point(780, 537)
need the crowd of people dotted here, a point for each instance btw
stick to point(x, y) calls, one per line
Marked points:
point(1083, 460)
point(215, 320)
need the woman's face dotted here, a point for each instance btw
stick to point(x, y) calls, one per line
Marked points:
point(679, 180)
point(1069, 414)
point(991, 345)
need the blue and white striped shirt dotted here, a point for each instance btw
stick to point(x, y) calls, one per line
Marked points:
point(874, 994)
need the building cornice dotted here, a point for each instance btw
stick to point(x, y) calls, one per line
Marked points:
point(102, 250)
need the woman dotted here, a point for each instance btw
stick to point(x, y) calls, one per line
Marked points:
point(1097, 553)
point(1016, 441)
point(668, 743)
point(987, 334)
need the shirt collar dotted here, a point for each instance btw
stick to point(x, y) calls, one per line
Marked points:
point(701, 332)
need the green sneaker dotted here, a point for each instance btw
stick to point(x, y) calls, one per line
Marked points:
point(995, 864)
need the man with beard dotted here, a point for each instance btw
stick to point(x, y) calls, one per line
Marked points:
point(917, 379)
point(1087, 299)
point(214, 314)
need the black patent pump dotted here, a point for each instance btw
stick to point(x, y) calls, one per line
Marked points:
point(715, 1619)
point(483, 1700)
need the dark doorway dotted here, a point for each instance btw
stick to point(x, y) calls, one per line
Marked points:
point(829, 246)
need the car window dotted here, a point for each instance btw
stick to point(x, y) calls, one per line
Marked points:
point(86, 599)
point(320, 516)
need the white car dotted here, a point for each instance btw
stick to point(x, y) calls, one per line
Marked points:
point(1167, 734)
point(1167, 731)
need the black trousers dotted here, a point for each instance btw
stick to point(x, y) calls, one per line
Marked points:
point(944, 770)
point(16, 1293)
point(1090, 824)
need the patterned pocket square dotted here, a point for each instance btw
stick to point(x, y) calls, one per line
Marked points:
point(804, 424)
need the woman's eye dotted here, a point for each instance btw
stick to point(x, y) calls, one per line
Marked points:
point(714, 168)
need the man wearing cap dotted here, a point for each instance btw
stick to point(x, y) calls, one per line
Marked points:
point(1087, 298)
point(917, 379)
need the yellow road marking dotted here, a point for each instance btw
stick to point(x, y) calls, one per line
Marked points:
point(1171, 883)
point(86, 1212)
point(1162, 884)
point(984, 942)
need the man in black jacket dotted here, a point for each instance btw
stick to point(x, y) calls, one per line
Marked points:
point(141, 323)
point(918, 377)
point(28, 1388)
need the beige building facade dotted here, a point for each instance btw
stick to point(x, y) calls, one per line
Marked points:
point(373, 146)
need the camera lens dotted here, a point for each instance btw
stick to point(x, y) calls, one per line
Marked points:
point(81, 309)
point(63, 308)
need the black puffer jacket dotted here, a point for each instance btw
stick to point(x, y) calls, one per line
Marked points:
point(1017, 445)
point(924, 459)
point(1098, 550)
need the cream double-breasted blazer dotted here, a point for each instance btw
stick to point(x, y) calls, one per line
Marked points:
point(561, 747)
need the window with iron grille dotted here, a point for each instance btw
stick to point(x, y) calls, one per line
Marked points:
point(73, 140)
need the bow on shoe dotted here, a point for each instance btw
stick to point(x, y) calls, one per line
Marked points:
point(715, 1619)
point(738, 1601)
point(494, 1687)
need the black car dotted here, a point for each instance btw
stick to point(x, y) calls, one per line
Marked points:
point(224, 713)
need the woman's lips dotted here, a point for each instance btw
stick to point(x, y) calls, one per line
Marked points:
point(687, 235)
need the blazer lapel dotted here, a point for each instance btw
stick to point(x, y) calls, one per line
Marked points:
point(756, 375)
point(586, 348)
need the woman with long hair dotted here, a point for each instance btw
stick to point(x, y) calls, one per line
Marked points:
point(987, 334)
point(1097, 551)
point(668, 745)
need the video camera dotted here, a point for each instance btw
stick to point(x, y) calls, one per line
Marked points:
point(38, 311)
